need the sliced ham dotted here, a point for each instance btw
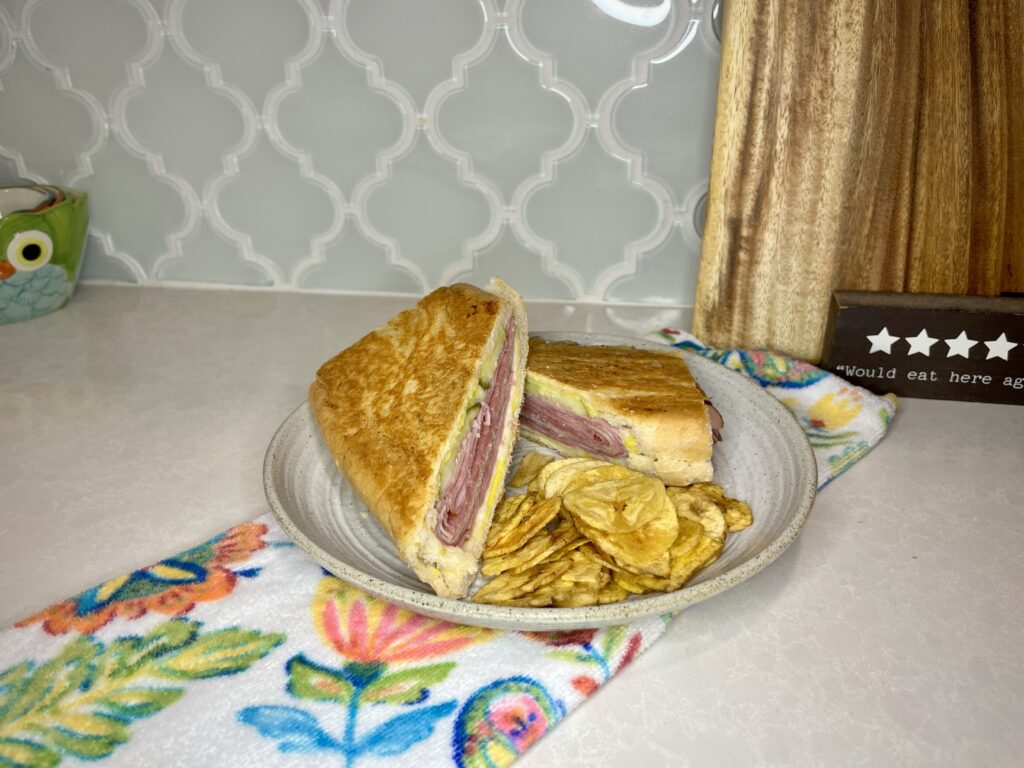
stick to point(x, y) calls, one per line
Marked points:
point(474, 464)
point(595, 436)
point(717, 422)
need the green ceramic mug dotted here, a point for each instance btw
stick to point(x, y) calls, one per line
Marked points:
point(42, 235)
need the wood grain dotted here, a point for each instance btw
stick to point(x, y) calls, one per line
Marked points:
point(1013, 70)
point(860, 144)
point(940, 217)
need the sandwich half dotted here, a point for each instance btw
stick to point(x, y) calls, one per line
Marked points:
point(636, 407)
point(421, 416)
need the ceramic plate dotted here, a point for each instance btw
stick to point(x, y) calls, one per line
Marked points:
point(764, 459)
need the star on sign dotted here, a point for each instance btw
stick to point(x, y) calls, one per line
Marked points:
point(882, 342)
point(961, 345)
point(999, 347)
point(921, 344)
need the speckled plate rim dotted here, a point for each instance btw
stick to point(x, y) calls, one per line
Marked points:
point(545, 619)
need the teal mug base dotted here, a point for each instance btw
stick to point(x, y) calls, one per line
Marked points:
point(34, 294)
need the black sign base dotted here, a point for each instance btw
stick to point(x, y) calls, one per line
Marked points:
point(931, 346)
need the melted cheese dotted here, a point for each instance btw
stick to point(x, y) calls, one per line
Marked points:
point(487, 367)
point(567, 400)
point(497, 486)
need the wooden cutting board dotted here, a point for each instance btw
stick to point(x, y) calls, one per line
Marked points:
point(860, 144)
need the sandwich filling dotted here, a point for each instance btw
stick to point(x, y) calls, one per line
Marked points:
point(593, 435)
point(469, 477)
point(590, 434)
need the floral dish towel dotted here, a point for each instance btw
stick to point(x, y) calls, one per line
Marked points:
point(842, 421)
point(244, 652)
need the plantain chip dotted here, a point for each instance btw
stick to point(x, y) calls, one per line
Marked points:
point(576, 599)
point(692, 550)
point(509, 586)
point(629, 551)
point(512, 537)
point(636, 583)
point(696, 506)
point(712, 491)
point(537, 484)
point(585, 571)
point(602, 471)
point(737, 514)
point(589, 532)
point(508, 515)
point(690, 534)
point(580, 585)
point(529, 467)
point(713, 520)
point(573, 541)
point(532, 600)
point(531, 553)
point(611, 593)
point(621, 505)
point(595, 555)
point(561, 477)
point(631, 519)
point(546, 545)
point(687, 564)
point(574, 594)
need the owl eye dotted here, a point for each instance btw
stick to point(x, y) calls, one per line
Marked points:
point(30, 250)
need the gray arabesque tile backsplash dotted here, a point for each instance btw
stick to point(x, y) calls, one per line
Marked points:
point(372, 145)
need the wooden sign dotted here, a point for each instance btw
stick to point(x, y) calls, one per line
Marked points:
point(930, 346)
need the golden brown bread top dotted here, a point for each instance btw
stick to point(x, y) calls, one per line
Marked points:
point(625, 379)
point(389, 406)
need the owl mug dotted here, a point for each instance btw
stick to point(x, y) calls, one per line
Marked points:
point(42, 235)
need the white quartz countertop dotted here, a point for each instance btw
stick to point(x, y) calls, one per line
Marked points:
point(133, 424)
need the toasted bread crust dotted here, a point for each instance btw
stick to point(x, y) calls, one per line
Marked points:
point(652, 394)
point(390, 406)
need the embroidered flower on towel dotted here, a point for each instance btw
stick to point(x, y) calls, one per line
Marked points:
point(363, 628)
point(171, 587)
point(602, 653)
point(834, 410)
point(83, 700)
point(501, 721)
point(380, 643)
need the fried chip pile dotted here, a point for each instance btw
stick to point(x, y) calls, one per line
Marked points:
point(588, 532)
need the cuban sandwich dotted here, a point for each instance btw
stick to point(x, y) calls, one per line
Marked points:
point(640, 408)
point(421, 416)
